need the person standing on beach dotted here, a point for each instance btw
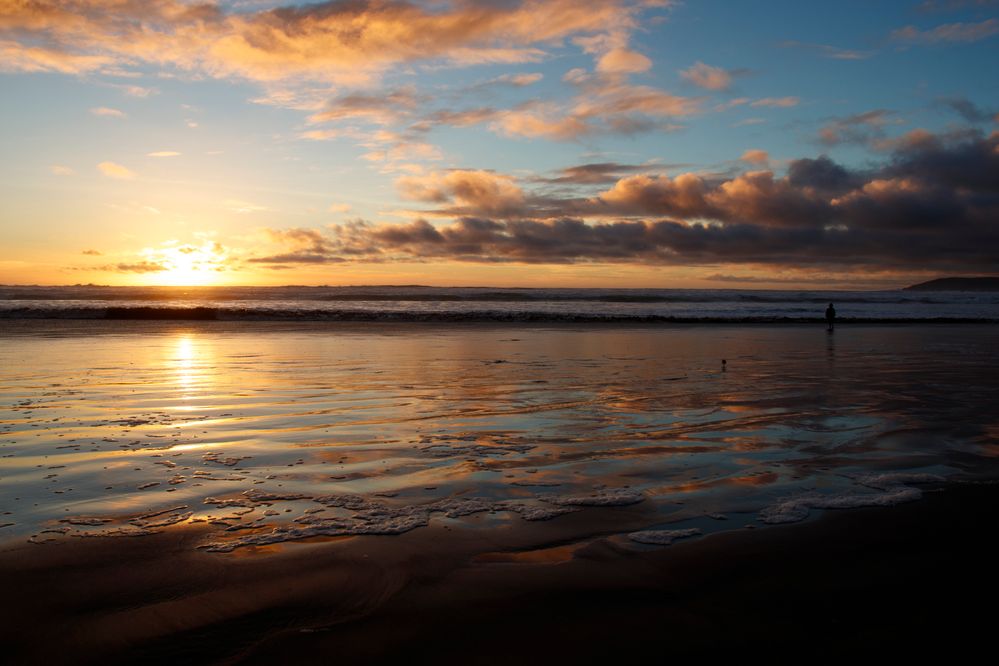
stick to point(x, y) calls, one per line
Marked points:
point(830, 316)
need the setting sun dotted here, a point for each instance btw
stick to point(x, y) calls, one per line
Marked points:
point(185, 265)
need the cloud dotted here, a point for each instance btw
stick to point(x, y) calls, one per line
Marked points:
point(306, 246)
point(107, 112)
point(18, 57)
point(343, 42)
point(164, 153)
point(823, 175)
point(731, 104)
point(755, 157)
point(300, 54)
point(463, 118)
point(931, 204)
point(947, 33)
point(612, 105)
point(466, 192)
point(519, 80)
point(777, 102)
point(861, 128)
point(542, 121)
point(322, 135)
point(137, 267)
point(141, 92)
point(605, 104)
point(621, 60)
point(828, 51)
point(599, 173)
point(708, 77)
point(112, 170)
point(92, 253)
point(967, 109)
point(59, 170)
point(382, 109)
point(338, 208)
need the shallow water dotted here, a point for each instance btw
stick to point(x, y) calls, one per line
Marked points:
point(276, 433)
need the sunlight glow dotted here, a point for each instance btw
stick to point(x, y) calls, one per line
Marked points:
point(186, 265)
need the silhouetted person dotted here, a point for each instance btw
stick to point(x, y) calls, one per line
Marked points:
point(830, 316)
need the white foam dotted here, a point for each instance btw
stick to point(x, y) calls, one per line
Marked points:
point(893, 491)
point(609, 497)
point(371, 517)
point(892, 479)
point(534, 513)
point(662, 537)
point(171, 519)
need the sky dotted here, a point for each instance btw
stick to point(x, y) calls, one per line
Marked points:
point(625, 143)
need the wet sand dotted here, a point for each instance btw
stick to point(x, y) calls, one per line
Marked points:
point(890, 582)
point(218, 493)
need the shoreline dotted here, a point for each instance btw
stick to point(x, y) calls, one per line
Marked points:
point(27, 326)
point(887, 580)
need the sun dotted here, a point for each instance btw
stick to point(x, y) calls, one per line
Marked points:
point(187, 265)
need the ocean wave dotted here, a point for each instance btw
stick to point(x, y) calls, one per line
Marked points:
point(146, 313)
point(418, 294)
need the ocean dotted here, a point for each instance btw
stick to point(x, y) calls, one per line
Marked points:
point(418, 303)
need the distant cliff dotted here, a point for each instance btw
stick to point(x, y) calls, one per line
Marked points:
point(958, 284)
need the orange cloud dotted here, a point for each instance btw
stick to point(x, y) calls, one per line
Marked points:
point(706, 76)
point(755, 157)
point(683, 196)
point(622, 60)
point(343, 42)
point(778, 102)
point(18, 57)
point(473, 192)
point(112, 170)
point(107, 112)
point(545, 122)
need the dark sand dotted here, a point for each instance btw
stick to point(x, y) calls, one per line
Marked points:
point(906, 580)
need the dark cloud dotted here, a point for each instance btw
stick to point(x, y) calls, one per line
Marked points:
point(960, 161)
point(822, 174)
point(298, 258)
point(599, 173)
point(947, 33)
point(862, 128)
point(137, 267)
point(381, 108)
point(828, 51)
point(934, 202)
point(967, 109)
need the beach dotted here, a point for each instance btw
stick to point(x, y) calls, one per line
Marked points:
point(221, 491)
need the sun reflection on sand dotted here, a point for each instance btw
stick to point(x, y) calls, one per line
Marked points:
point(190, 365)
point(184, 358)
